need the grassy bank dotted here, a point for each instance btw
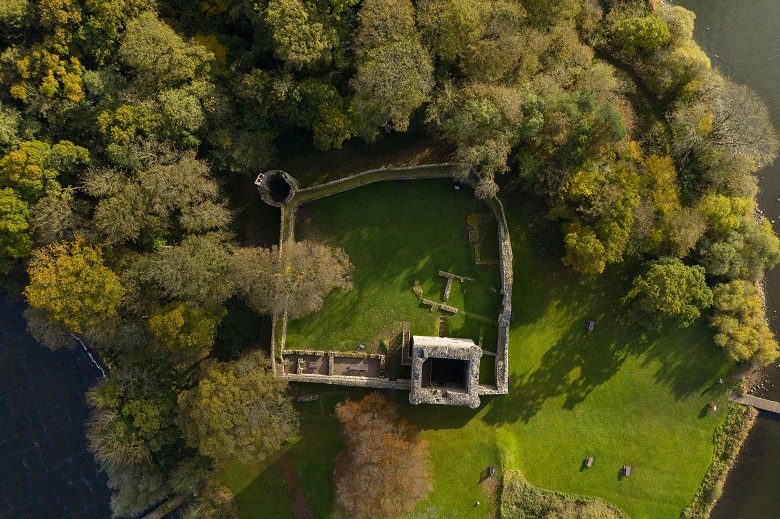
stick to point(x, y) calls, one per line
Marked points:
point(521, 500)
point(728, 440)
point(618, 393)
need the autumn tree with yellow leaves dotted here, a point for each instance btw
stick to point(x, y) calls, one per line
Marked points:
point(70, 281)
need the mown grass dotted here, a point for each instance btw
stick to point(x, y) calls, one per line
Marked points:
point(396, 233)
point(618, 393)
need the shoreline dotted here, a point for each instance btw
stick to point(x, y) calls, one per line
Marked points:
point(728, 440)
point(756, 379)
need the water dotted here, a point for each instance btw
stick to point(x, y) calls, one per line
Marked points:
point(742, 39)
point(45, 468)
point(89, 354)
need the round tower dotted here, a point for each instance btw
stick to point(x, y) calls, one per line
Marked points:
point(276, 187)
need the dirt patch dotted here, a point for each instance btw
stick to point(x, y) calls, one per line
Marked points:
point(300, 505)
point(490, 488)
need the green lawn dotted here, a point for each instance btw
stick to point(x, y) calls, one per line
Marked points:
point(396, 233)
point(618, 394)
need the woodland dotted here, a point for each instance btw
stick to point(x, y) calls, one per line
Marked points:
point(130, 130)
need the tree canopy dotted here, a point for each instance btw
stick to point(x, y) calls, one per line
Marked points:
point(238, 411)
point(70, 281)
point(295, 280)
point(741, 329)
point(385, 468)
point(669, 289)
point(130, 130)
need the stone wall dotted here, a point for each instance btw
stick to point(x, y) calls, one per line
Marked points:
point(505, 316)
point(377, 383)
point(446, 170)
point(430, 171)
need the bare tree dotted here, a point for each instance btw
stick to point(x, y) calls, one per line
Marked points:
point(295, 280)
point(385, 468)
point(728, 118)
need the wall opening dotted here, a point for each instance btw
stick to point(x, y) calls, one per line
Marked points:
point(449, 373)
point(279, 188)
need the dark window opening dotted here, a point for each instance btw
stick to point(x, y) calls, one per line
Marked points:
point(447, 373)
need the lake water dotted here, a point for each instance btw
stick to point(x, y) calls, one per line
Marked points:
point(45, 468)
point(742, 39)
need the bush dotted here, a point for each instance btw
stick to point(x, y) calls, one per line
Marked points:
point(521, 500)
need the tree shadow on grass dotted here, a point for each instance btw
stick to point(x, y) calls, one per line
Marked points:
point(579, 360)
point(685, 360)
point(297, 480)
point(572, 368)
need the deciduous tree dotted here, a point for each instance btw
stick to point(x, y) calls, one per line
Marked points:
point(181, 196)
point(449, 27)
point(683, 228)
point(193, 271)
point(385, 468)
point(584, 252)
point(741, 329)
point(299, 39)
point(644, 35)
point(45, 76)
point(295, 281)
point(47, 331)
point(70, 281)
point(56, 217)
point(394, 71)
point(15, 239)
point(10, 121)
point(669, 289)
point(722, 258)
point(214, 502)
point(32, 169)
point(661, 180)
point(761, 250)
point(238, 411)
point(160, 57)
point(185, 329)
point(14, 14)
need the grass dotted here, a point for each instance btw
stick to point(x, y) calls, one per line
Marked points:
point(618, 393)
point(395, 234)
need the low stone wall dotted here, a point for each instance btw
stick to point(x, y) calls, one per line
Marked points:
point(485, 389)
point(333, 363)
point(505, 316)
point(373, 382)
point(313, 364)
